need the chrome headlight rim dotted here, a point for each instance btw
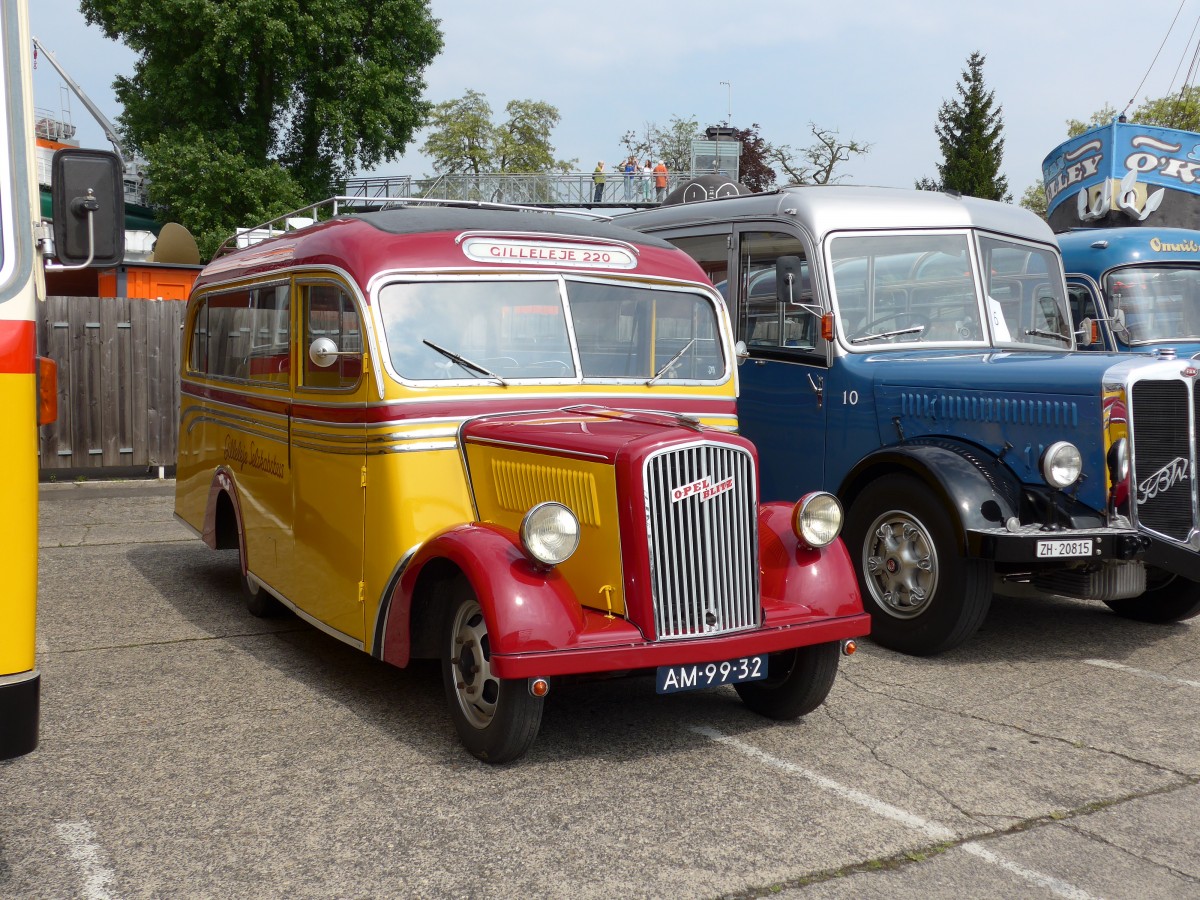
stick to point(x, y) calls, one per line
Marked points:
point(549, 533)
point(1062, 464)
point(817, 519)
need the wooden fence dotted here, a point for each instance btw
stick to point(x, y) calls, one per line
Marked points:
point(118, 382)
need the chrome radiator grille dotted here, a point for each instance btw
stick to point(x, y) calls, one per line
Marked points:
point(701, 517)
point(1163, 457)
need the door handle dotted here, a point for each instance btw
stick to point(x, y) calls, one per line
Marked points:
point(818, 386)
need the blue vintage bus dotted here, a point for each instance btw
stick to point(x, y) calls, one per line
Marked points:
point(913, 352)
point(1134, 289)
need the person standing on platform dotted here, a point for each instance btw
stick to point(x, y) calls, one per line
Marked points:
point(660, 181)
point(647, 182)
point(630, 171)
point(598, 178)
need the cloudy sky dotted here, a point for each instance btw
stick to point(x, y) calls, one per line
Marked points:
point(876, 71)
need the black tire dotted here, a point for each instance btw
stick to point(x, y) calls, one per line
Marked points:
point(923, 595)
point(497, 719)
point(1168, 598)
point(797, 682)
point(259, 601)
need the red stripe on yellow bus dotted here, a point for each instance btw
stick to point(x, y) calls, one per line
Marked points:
point(18, 341)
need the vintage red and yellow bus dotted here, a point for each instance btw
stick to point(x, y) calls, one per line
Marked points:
point(87, 230)
point(21, 284)
point(504, 439)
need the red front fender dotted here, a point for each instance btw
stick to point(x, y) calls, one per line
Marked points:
point(526, 610)
point(793, 575)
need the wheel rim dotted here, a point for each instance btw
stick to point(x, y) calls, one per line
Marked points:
point(476, 688)
point(900, 563)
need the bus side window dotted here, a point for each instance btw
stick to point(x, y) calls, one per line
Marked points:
point(711, 251)
point(329, 312)
point(762, 320)
point(270, 356)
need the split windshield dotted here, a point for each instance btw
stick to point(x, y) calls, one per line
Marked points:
point(1154, 303)
point(503, 330)
point(923, 289)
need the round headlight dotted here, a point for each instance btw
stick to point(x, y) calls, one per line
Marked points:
point(1061, 464)
point(817, 519)
point(550, 533)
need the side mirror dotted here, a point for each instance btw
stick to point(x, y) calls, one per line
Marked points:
point(740, 353)
point(792, 284)
point(324, 352)
point(789, 284)
point(88, 197)
point(1119, 326)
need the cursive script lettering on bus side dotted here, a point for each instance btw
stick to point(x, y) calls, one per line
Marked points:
point(237, 454)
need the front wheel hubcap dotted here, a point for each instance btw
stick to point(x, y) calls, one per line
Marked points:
point(476, 688)
point(900, 562)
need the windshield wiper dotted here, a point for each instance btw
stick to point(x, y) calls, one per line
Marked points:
point(1037, 332)
point(916, 329)
point(464, 362)
point(674, 359)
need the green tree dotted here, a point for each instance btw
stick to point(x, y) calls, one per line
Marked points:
point(1034, 199)
point(969, 132)
point(673, 143)
point(198, 179)
point(1102, 116)
point(522, 141)
point(816, 163)
point(463, 139)
point(461, 136)
point(1180, 111)
point(301, 94)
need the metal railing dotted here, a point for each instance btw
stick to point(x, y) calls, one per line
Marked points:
point(573, 189)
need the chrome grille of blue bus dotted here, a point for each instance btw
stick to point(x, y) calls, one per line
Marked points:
point(701, 515)
point(1163, 457)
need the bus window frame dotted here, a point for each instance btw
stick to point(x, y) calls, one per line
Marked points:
point(301, 284)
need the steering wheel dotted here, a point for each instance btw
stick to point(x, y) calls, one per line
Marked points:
point(915, 319)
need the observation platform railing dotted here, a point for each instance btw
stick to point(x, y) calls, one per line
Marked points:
point(574, 189)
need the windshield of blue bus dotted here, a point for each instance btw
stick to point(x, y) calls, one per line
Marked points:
point(922, 288)
point(511, 329)
point(1154, 303)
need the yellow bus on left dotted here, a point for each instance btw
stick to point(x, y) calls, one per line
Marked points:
point(88, 229)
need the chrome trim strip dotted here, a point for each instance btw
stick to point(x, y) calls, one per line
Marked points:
point(311, 620)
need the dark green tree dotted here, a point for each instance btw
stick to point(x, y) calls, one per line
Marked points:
point(754, 167)
point(969, 131)
point(297, 96)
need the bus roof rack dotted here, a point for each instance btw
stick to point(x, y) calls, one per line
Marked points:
point(335, 206)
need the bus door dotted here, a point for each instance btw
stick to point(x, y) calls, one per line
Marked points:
point(328, 449)
point(784, 396)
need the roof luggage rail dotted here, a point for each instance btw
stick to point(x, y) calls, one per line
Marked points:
point(335, 206)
